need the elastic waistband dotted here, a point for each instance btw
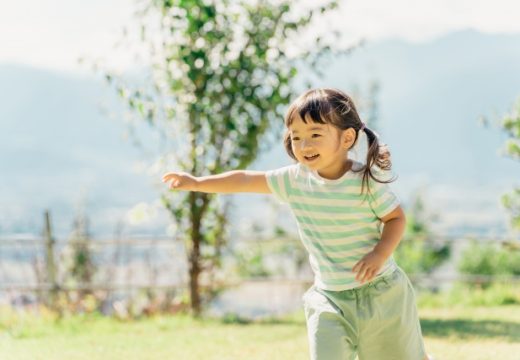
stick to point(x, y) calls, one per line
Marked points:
point(381, 278)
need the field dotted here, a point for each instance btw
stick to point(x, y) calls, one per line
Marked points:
point(450, 333)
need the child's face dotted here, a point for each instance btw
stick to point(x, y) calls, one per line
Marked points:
point(321, 147)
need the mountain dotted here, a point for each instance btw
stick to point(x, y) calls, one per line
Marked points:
point(59, 150)
point(431, 98)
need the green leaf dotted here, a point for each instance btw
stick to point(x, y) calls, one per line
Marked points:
point(214, 98)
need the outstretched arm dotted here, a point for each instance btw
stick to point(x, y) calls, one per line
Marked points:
point(235, 181)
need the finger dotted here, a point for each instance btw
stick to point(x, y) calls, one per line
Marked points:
point(357, 266)
point(361, 272)
point(363, 277)
point(369, 275)
point(175, 183)
point(167, 177)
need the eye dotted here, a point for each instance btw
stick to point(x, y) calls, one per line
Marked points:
point(316, 135)
point(295, 139)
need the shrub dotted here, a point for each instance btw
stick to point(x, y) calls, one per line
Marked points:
point(462, 294)
point(489, 259)
point(418, 252)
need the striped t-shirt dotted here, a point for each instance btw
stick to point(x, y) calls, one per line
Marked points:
point(337, 224)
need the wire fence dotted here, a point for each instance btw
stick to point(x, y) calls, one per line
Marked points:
point(42, 265)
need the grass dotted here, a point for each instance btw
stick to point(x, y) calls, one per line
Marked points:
point(174, 337)
point(450, 333)
point(476, 333)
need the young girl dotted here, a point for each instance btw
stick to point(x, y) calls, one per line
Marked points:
point(361, 304)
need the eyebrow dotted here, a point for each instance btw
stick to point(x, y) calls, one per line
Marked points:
point(311, 129)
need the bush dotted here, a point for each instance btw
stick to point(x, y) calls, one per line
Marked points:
point(417, 252)
point(462, 294)
point(419, 255)
point(250, 263)
point(489, 259)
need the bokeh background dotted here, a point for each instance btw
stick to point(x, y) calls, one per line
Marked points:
point(436, 79)
point(438, 70)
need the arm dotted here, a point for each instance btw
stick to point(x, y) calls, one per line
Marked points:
point(228, 182)
point(393, 230)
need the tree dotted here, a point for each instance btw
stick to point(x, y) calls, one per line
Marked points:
point(222, 73)
point(418, 252)
point(511, 125)
point(82, 269)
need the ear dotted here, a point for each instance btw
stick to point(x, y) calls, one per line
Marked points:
point(348, 138)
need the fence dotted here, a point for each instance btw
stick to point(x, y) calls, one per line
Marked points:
point(37, 265)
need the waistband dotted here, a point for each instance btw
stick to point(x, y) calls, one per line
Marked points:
point(385, 277)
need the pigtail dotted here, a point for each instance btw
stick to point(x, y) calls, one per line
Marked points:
point(332, 106)
point(378, 155)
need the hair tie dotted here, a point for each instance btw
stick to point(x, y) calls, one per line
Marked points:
point(362, 126)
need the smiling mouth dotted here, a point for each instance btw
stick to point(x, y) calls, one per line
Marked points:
point(312, 157)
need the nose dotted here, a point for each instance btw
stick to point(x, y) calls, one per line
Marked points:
point(304, 144)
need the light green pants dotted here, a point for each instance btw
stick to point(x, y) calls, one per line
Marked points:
point(376, 321)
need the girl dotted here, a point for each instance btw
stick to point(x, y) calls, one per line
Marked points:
point(361, 304)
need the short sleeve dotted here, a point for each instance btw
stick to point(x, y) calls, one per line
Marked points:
point(279, 182)
point(382, 199)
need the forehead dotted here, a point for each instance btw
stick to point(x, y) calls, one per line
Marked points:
point(298, 125)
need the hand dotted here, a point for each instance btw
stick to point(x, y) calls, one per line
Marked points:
point(368, 266)
point(180, 181)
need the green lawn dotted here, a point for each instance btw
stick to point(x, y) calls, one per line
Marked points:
point(450, 333)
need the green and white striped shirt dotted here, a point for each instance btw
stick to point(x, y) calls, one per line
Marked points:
point(337, 224)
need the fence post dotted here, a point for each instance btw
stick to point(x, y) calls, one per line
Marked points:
point(50, 263)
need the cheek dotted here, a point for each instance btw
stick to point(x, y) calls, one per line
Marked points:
point(294, 147)
point(321, 144)
point(296, 151)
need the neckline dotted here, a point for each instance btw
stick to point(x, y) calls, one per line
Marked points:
point(314, 173)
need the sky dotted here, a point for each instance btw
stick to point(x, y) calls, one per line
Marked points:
point(54, 34)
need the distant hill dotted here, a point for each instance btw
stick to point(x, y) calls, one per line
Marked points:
point(432, 97)
point(58, 148)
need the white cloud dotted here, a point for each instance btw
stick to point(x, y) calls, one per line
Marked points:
point(55, 33)
point(419, 21)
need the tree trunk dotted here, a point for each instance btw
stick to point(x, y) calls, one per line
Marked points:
point(198, 206)
point(195, 271)
point(194, 256)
